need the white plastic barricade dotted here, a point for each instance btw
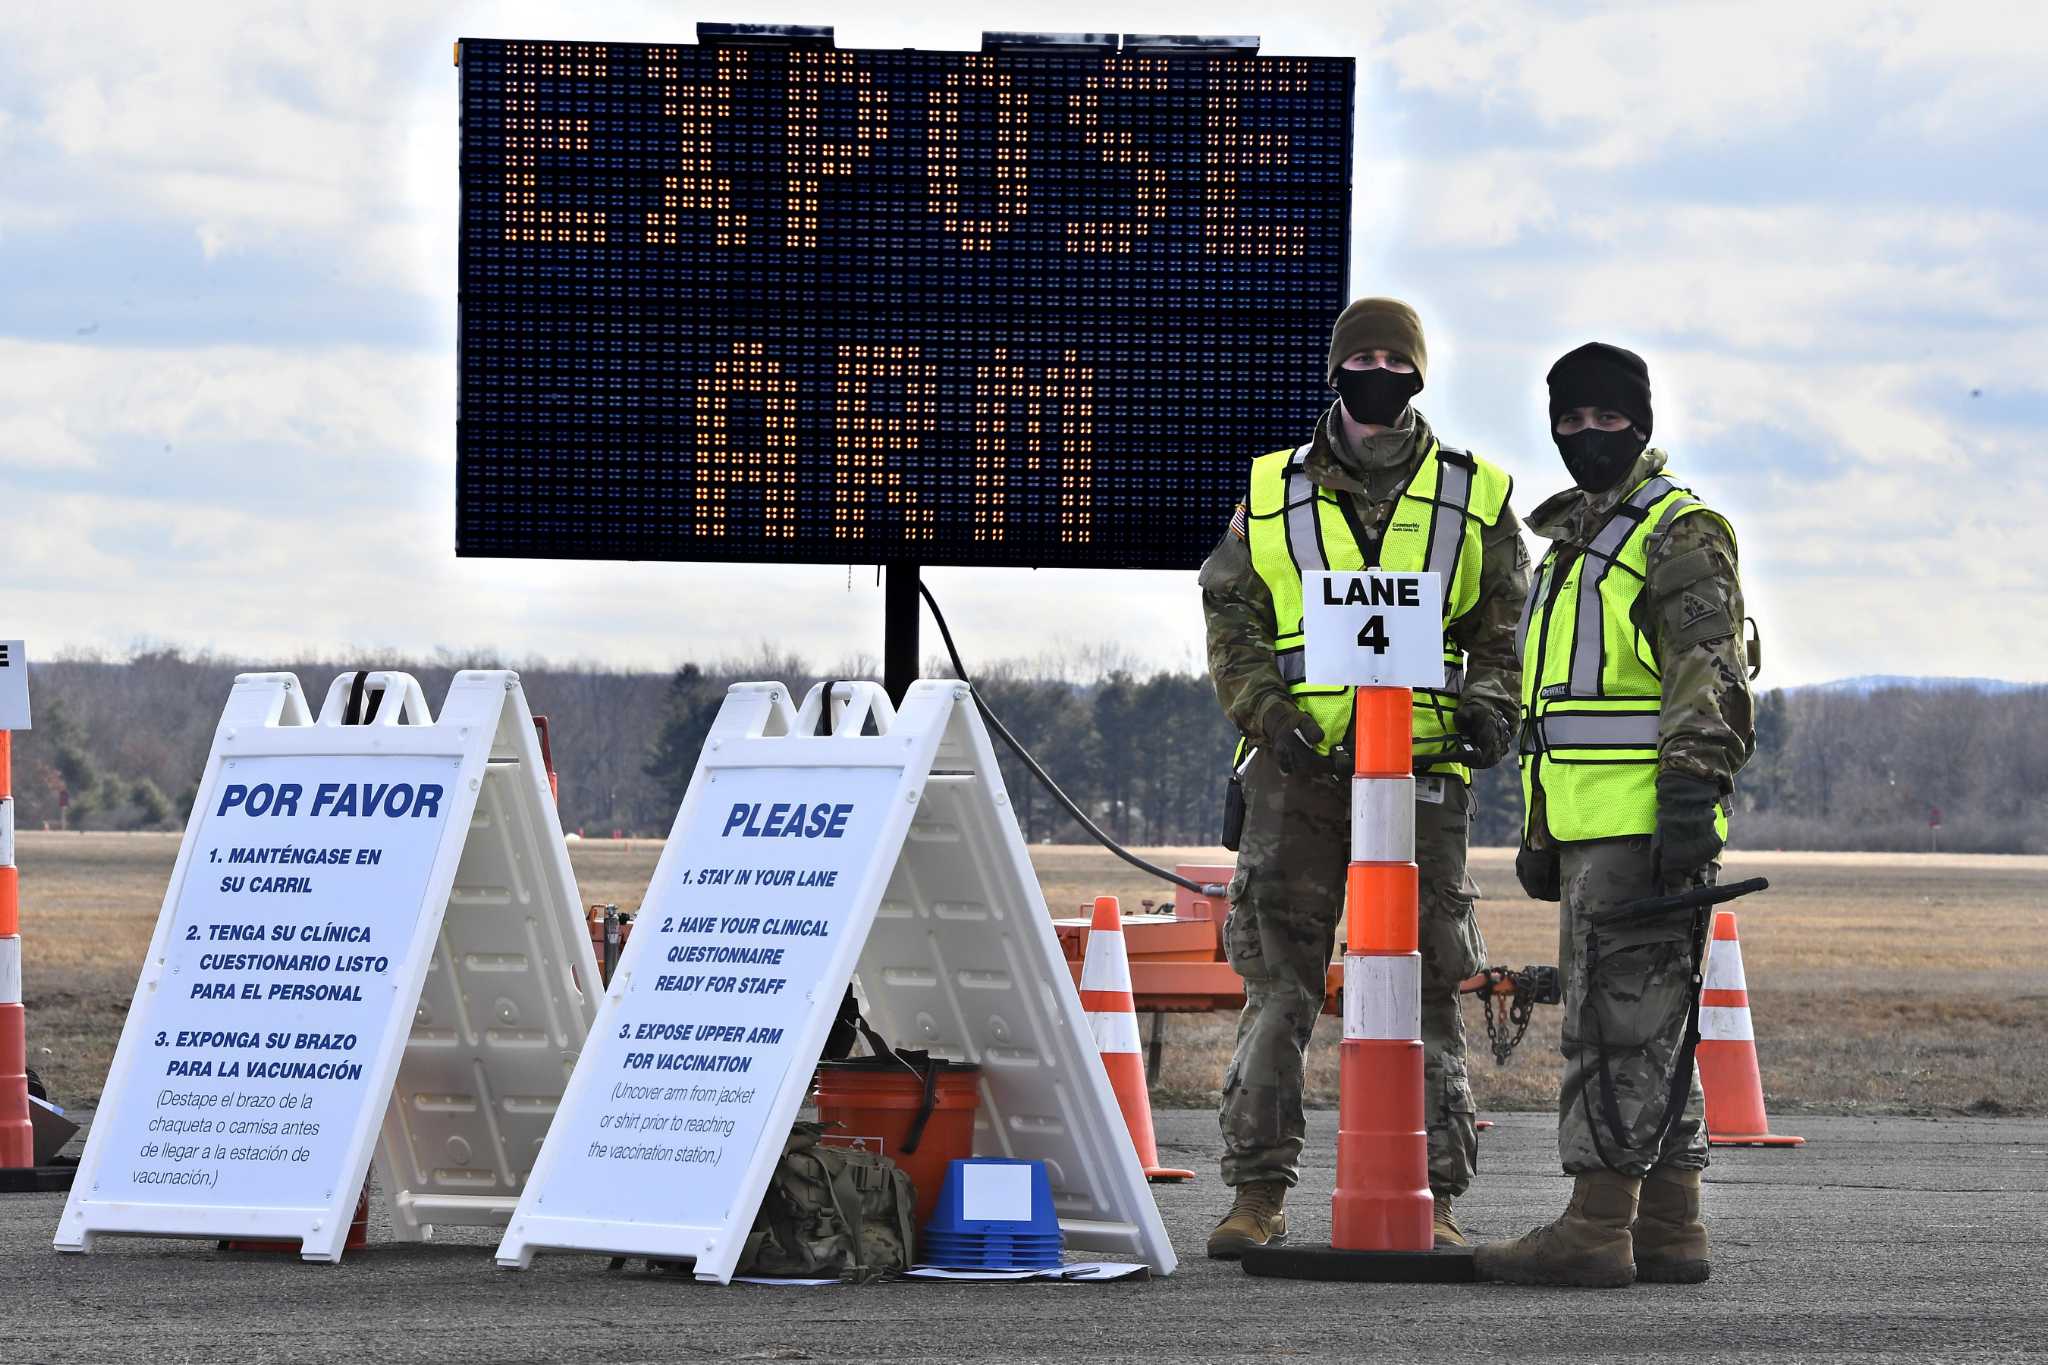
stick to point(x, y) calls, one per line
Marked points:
point(372, 921)
point(879, 837)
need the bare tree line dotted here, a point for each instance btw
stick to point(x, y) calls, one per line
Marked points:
point(119, 744)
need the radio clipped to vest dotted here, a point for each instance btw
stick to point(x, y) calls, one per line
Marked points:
point(1233, 810)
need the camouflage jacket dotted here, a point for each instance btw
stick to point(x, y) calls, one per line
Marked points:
point(1691, 613)
point(1239, 609)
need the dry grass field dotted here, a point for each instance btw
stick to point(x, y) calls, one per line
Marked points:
point(1881, 983)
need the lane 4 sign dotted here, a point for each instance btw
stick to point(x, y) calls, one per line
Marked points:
point(1373, 629)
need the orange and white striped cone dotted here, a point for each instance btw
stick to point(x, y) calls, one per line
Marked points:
point(1727, 1051)
point(17, 1134)
point(1382, 1201)
point(1113, 1016)
point(1382, 1214)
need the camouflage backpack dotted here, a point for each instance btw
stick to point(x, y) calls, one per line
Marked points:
point(831, 1211)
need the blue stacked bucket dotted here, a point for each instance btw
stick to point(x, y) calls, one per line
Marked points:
point(993, 1214)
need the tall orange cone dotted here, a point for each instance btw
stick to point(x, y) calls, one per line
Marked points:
point(1382, 1201)
point(1106, 996)
point(1727, 1051)
point(1382, 1212)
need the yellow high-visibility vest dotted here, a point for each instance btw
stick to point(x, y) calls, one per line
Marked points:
point(1591, 688)
point(1437, 523)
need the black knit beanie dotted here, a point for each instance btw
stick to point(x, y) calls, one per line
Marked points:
point(1597, 375)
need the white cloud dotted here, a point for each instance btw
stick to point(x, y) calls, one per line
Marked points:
point(1630, 82)
point(334, 403)
point(1485, 201)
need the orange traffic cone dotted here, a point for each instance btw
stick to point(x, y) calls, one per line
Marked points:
point(1727, 1053)
point(1106, 995)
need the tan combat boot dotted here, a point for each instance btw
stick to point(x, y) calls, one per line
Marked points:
point(1254, 1220)
point(1589, 1247)
point(1670, 1234)
point(1448, 1233)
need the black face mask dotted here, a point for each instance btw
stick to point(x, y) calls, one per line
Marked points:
point(1597, 460)
point(1376, 397)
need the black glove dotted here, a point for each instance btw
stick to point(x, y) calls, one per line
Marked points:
point(1686, 838)
point(1291, 739)
point(1537, 870)
point(1486, 731)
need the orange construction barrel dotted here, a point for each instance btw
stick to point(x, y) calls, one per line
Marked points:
point(920, 1118)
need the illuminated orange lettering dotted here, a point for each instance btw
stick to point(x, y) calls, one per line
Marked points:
point(942, 153)
point(809, 157)
point(871, 434)
point(1048, 419)
point(720, 466)
point(697, 186)
point(1229, 151)
point(528, 133)
point(1120, 151)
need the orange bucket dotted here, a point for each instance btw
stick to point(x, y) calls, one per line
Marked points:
point(920, 1121)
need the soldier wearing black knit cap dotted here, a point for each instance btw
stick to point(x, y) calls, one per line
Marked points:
point(1637, 716)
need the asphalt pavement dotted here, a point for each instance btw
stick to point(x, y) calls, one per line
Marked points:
point(1882, 1239)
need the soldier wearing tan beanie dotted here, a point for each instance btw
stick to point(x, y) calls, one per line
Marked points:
point(1370, 488)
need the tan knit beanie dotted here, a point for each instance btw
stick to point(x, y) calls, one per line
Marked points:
point(1378, 325)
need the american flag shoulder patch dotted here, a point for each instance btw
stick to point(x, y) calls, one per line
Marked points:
point(1238, 523)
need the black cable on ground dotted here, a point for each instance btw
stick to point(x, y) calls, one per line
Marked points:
point(1212, 890)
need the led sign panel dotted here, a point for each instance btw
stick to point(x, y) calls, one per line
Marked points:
point(796, 303)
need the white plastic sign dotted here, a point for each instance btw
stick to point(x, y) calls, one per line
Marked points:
point(800, 849)
point(307, 909)
point(739, 932)
point(1373, 629)
point(274, 999)
point(13, 685)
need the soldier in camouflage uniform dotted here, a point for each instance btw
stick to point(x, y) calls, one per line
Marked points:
point(1631, 742)
point(1366, 455)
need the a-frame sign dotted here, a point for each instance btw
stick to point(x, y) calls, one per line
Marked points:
point(881, 838)
point(371, 937)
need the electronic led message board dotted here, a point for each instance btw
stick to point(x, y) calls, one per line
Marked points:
point(796, 303)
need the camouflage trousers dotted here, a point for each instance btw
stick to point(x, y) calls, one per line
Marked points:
point(1285, 902)
point(1632, 1009)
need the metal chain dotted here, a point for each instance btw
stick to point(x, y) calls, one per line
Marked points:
point(1505, 1013)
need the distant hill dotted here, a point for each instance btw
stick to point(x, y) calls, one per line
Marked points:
point(1864, 685)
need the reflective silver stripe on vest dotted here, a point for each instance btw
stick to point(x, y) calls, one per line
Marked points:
point(1447, 534)
point(1586, 637)
point(1454, 682)
point(1664, 521)
point(1594, 732)
point(1537, 586)
point(1304, 528)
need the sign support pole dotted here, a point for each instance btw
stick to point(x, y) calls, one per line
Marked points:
point(900, 607)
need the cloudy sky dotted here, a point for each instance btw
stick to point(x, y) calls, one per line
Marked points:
point(227, 317)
